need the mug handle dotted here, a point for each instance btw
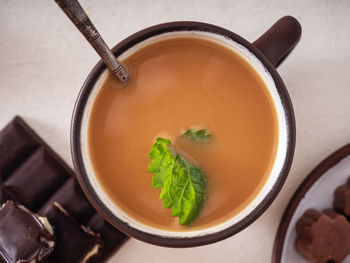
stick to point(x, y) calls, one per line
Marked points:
point(279, 40)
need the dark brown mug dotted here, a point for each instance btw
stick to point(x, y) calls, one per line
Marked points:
point(265, 54)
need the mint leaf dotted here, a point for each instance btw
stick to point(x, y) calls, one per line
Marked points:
point(182, 184)
point(197, 136)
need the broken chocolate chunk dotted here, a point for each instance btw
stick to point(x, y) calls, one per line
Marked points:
point(323, 236)
point(75, 243)
point(24, 236)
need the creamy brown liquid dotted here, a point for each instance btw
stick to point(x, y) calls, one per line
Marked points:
point(177, 84)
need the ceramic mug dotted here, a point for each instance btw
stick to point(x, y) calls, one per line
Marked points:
point(264, 55)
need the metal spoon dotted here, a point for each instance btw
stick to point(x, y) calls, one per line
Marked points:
point(77, 15)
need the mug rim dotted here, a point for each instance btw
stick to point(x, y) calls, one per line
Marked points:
point(78, 113)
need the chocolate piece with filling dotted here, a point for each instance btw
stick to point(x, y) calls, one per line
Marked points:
point(24, 236)
point(341, 202)
point(323, 236)
point(75, 243)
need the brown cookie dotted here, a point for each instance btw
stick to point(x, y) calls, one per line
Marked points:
point(341, 202)
point(323, 236)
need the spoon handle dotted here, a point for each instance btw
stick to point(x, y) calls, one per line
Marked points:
point(77, 15)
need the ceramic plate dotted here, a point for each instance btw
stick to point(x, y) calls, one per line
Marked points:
point(316, 191)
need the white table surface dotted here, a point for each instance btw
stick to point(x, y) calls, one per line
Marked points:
point(44, 61)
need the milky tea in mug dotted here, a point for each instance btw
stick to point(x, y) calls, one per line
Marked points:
point(178, 83)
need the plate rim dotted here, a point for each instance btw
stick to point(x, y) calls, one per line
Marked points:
point(326, 164)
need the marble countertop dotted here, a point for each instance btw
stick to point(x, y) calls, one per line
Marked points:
point(44, 61)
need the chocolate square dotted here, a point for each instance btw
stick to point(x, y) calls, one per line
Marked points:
point(42, 173)
point(16, 144)
point(112, 239)
point(73, 200)
point(75, 243)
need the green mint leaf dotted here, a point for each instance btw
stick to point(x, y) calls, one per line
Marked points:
point(182, 184)
point(197, 135)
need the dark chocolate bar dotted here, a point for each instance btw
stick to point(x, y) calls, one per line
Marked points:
point(323, 236)
point(24, 236)
point(31, 173)
point(75, 243)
